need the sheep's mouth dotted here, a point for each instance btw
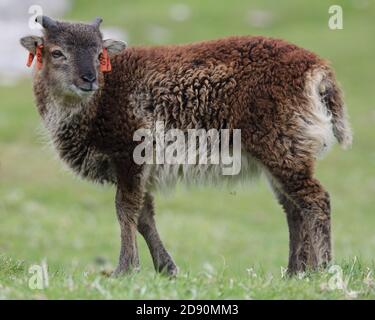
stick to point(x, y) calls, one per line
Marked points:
point(87, 89)
point(83, 91)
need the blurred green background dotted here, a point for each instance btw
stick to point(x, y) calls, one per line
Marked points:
point(228, 235)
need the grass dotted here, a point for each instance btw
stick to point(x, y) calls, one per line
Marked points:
point(227, 243)
point(73, 282)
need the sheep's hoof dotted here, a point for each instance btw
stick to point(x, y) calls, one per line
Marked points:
point(124, 271)
point(169, 269)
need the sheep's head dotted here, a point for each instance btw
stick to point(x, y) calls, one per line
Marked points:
point(71, 54)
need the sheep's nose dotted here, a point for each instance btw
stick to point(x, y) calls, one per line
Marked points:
point(89, 77)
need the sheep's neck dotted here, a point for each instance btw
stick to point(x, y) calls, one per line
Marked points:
point(68, 122)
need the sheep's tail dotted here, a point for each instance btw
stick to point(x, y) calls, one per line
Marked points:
point(332, 98)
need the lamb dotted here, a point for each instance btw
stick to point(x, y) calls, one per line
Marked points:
point(94, 94)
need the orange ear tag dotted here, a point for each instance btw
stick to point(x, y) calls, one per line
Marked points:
point(39, 62)
point(38, 57)
point(105, 62)
point(30, 59)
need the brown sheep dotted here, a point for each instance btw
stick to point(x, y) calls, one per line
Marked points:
point(284, 99)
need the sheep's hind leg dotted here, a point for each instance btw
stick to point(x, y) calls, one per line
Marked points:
point(311, 229)
point(299, 240)
point(146, 226)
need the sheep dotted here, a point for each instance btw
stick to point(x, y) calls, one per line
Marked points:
point(94, 94)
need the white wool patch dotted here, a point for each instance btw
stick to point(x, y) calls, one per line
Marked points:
point(316, 124)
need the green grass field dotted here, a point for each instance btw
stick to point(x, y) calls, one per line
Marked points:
point(228, 243)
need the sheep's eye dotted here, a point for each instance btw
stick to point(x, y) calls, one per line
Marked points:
point(57, 54)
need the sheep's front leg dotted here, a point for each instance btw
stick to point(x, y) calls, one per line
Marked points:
point(128, 205)
point(147, 227)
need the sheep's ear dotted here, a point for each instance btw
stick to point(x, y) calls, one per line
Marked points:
point(114, 46)
point(31, 42)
